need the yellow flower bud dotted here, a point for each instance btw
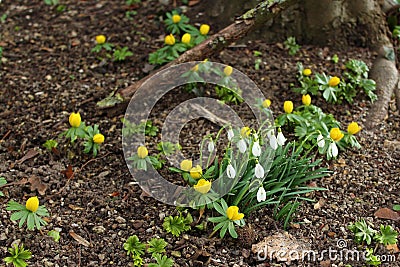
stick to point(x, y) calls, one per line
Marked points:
point(186, 165)
point(176, 18)
point(202, 186)
point(169, 39)
point(195, 68)
point(233, 213)
point(100, 39)
point(228, 70)
point(266, 103)
point(245, 131)
point(336, 134)
point(75, 119)
point(142, 152)
point(353, 128)
point(186, 38)
point(98, 138)
point(333, 81)
point(306, 99)
point(307, 72)
point(32, 204)
point(204, 29)
point(288, 107)
point(196, 172)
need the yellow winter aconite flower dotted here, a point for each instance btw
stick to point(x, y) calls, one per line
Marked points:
point(196, 172)
point(233, 213)
point(75, 119)
point(306, 99)
point(202, 186)
point(353, 128)
point(307, 72)
point(186, 165)
point(186, 38)
point(336, 134)
point(142, 152)
point(195, 68)
point(245, 131)
point(32, 204)
point(288, 107)
point(176, 18)
point(204, 29)
point(228, 70)
point(100, 39)
point(169, 39)
point(334, 81)
point(98, 138)
point(266, 103)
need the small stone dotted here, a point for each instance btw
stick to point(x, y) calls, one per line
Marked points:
point(331, 234)
point(119, 219)
point(3, 236)
point(102, 257)
point(99, 229)
point(138, 224)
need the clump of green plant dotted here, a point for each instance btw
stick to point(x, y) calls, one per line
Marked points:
point(50, 144)
point(258, 60)
point(314, 128)
point(365, 233)
point(370, 258)
point(334, 89)
point(51, 2)
point(93, 137)
point(55, 235)
point(176, 225)
point(135, 249)
point(227, 89)
point(31, 213)
point(141, 159)
point(145, 127)
point(173, 47)
point(18, 257)
point(168, 148)
point(121, 54)
point(156, 246)
point(3, 181)
point(291, 45)
point(101, 44)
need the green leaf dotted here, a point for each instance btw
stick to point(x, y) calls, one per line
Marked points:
point(387, 235)
point(55, 235)
point(396, 207)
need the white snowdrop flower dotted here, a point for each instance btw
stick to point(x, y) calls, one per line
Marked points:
point(230, 171)
point(242, 145)
point(259, 171)
point(211, 146)
point(273, 142)
point(321, 140)
point(230, 134)
point(333, 150)
point(255, 136)
point(256, 150)
point(261, 194)
point(270, 133)
point(280, 139)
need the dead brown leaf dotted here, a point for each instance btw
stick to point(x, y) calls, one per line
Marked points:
point(386, 213)
point(319, 204)
point(193, 2)
point(36, 184)
point(393, 248)
point(79, 239)
point(30, 154)
point(69, 173)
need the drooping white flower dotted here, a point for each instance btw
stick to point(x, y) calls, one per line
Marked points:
point(261, 194)
point(256, 150)
point(321, 140)
point(280, 139)
point(273, 142)
point(270, 133)
point(230, 134)
point(259, 171)
point(230, 171)
point(211, 146)
point(333, 150)
point(242, 145)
